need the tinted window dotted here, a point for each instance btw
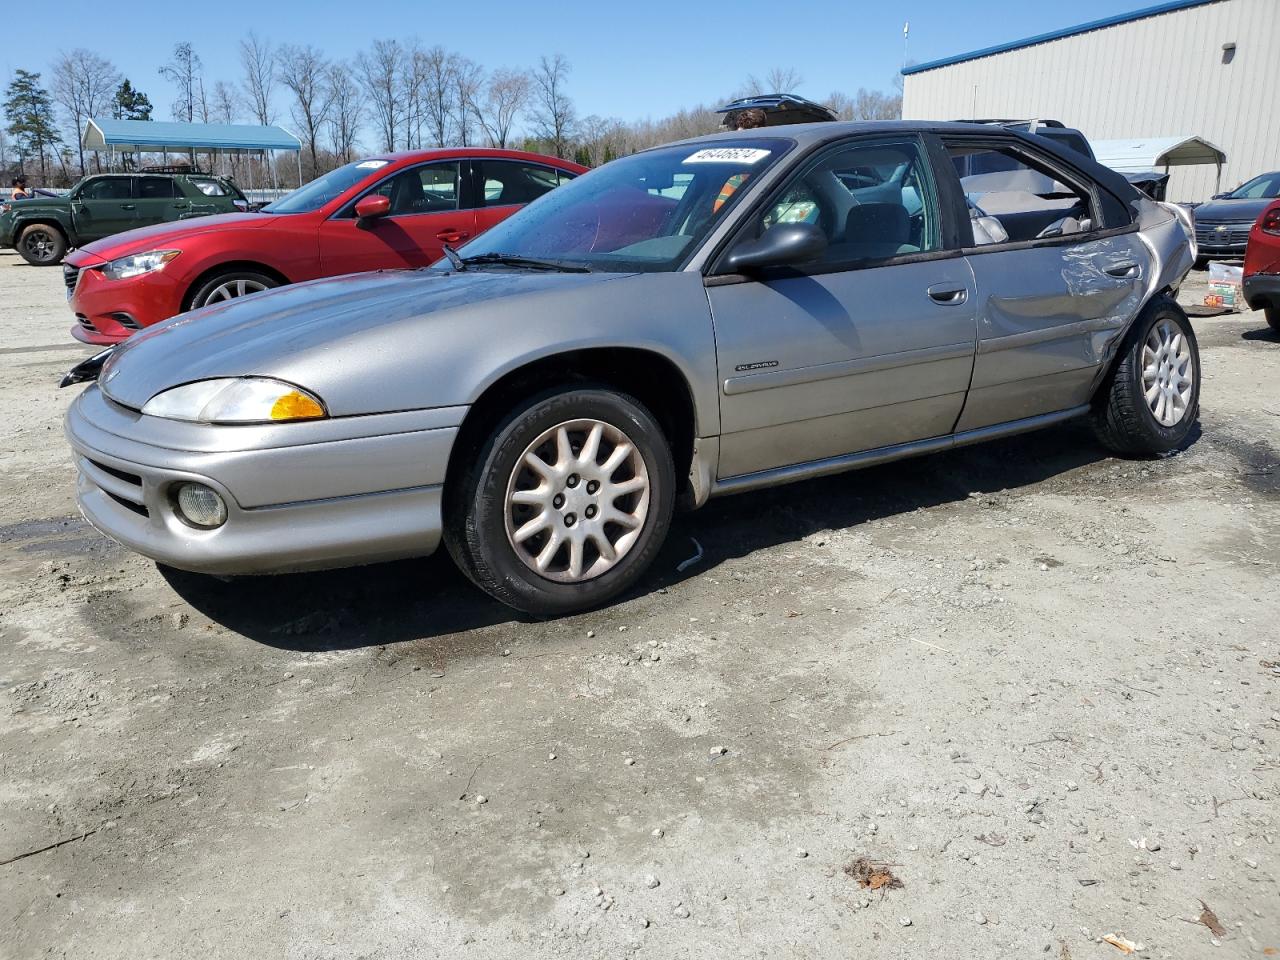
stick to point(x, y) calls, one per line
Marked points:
point(506, 182)
point(155, 188)
point(873, 201)
point(1265, 186)
point(108, 188)
point(1013, 196)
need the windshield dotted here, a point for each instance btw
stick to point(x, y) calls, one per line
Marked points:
point(1265, 187)
point(314, 195)
point(646, 212)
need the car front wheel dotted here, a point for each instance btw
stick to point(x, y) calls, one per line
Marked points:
point(228, 286)
point(566, 504)
point(1151, 399)
point(42, 245)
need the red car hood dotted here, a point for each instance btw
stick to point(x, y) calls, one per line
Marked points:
point(162, 235)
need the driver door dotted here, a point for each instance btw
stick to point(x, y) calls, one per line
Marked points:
point(427, 211)
point(104, 206)
point(868, 346)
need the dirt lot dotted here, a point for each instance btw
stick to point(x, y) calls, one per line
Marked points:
point(1038, 683)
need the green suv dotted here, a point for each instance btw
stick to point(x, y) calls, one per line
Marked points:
point(44, 228)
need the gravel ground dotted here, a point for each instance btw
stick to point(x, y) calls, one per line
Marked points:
point(1034, 685)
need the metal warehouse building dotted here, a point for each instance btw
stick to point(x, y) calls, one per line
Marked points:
point(1184, 68)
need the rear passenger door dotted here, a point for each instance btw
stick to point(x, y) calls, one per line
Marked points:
point(504, 186)
point(1059, 270)
point(869, 345)
point(157, 200)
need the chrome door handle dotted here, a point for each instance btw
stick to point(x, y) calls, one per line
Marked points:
point(1124, 271)
point(128, 206)
point(948, 294)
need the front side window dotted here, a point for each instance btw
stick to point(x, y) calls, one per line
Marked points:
point(874, 201)
point(154, 188)
point(108, 188)
point(1014, 197)
point(507, 182)
point(433, 188)
point(646, 212)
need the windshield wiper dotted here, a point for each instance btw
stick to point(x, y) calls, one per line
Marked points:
point(456, 261)
point(511, 260)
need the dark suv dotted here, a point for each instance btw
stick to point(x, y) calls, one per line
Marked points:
point(44, 228)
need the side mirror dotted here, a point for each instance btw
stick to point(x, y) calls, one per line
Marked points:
point(1218, 196)
point(373, 206)
point(780, 245)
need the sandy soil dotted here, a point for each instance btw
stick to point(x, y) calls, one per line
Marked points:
point(1039, 683)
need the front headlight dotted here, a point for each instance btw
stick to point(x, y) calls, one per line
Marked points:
point(243, 400)
point(138, 264)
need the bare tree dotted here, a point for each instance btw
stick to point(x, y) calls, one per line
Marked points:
point(504, 97)
point(438, 66)
point(83, 84)
point(553, 110)
point(866, 105)
point(258, 60)
point(225, 105)
point(777, 80)
point(380, 71)
point(468, 84)
point(346, 100)
point(183, 71)
point(304, 72)
point(413, 82)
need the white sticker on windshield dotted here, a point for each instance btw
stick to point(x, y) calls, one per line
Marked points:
point(371, 164)
point(728, 155)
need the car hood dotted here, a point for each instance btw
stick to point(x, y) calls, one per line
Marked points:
point(164, 235)
point(330, 336)
point(1231, 210)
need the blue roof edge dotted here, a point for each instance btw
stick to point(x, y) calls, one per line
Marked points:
point(1169, 6)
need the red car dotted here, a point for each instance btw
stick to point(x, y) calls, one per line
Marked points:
point(1262, 266)
point(396, 210)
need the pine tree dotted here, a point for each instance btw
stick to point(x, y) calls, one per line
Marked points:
point(29, 110)
point(130, 103)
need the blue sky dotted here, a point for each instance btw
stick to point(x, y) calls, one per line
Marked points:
point(630, 60)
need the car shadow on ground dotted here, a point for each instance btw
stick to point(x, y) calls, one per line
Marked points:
point(1261, 333)
point(423, 599)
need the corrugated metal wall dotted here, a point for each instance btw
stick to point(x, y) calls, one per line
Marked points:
point(1159, 76)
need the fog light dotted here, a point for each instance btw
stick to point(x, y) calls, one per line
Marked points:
point(201, 506)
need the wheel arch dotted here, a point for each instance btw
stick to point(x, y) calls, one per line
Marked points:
point(44, 220)
point(229, 266)
point(652, 378)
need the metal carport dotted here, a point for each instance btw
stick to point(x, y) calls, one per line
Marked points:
point(1158, 153)
point(155, 136)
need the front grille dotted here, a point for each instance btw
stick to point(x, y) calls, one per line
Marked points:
point(137, 508)
point(86, 323)
point(1236, 233)
point(125, 321)
point(70, 276)
point(131, 478)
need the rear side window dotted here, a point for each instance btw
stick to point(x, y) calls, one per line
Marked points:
point(1013, 196)
point(507, 182)
point(156, 188)
point(108, 188)
point(210, 188)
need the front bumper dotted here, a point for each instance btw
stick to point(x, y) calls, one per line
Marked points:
point(337, 493)
point(109, 311)
point(1262, 290)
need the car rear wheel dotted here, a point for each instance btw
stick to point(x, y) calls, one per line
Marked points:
point(42, 245)
point(566, 504)
point(1151, 399)
point(229, 285)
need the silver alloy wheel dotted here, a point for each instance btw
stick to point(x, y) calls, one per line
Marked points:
point(230, 289)
point(577, 500)
point(1168, 373)
point(39, 245)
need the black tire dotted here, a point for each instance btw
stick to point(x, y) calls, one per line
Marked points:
point(1273, 317)
point(251, 281)
point(1124, 423)
point(476, 508)
point(42, 245)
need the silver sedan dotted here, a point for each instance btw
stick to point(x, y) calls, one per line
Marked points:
point(700, 319)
